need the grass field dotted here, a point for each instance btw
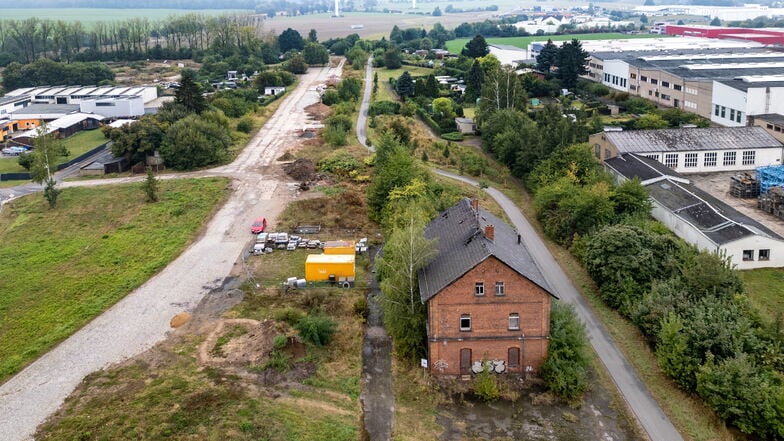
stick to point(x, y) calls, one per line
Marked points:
point(89, 16)
point(765, 288)
point(78, 144)
point(455, 46)
point(61, 268)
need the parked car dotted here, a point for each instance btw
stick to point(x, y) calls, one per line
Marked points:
point(315, 243)
point(258, 226)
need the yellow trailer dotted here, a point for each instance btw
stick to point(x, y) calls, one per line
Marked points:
point(339, 247)
point(319, 268)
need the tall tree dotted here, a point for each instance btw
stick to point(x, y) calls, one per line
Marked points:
point(502, 89)
point(547, 57)
point(315, 53)
point(405, 85)
point(392, 59)
point(47, 148)
point(476, 47)
point(572, 61)
point(189, 93)
point(290, 39)
point(406, 251)
point(313, 36)
point(476, 77)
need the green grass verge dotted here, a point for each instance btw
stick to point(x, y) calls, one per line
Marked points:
point(77, 144)
point(61, 268)
point(765, 288)
point(456, 45)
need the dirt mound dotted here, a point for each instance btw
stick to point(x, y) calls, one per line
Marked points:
point(226, 346)
point(179, 320)
point(318, 111)
point(301, 170)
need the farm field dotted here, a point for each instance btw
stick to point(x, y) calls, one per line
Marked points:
point(89, 16)
point(456, 45)
point(82, 257)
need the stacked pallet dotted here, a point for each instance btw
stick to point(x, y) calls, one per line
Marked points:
point(772, 201)
point(744, 186)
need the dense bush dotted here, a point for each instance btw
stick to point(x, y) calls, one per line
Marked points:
point(340, 162)
point(245, 125)
point(330, 97)
point(453, 136)
point(384, 108)
point(316, 329)
point(565, 371)
point(196, 141)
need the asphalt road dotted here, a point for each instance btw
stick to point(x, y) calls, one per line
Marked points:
point(645, 408)
point(141, 319)
point(365, 105)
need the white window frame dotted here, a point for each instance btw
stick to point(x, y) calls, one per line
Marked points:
point(710, 159)
point(500, 289)
point(690, 160)
point(462, 318)
point(479, 289)
point(749, 157)
point(514, 322)
point(729, 158)
point(671, 160)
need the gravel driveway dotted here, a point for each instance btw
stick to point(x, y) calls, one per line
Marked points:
point(141, 319)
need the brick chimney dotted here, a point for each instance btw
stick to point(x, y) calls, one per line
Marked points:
point(475, 205)
point(490, 232)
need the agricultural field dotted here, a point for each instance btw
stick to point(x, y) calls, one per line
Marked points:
point(79, 259)
point(456, 45)
point(89, 16)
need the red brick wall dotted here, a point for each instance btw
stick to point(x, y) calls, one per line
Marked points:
point(489, 336)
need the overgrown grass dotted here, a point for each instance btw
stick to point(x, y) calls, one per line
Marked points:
point(179, 401)
point(61, 268)
point(765, 288)
point(455, 46)
point(78, 144)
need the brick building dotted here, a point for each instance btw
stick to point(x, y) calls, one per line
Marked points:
point(486, 298)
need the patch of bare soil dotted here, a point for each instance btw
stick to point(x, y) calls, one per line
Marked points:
point(302, 169)
point(535, 415)
point(250, 348)
point(318, 111)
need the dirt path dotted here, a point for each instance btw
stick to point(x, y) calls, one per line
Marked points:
point(141, 319)
point(377, 398)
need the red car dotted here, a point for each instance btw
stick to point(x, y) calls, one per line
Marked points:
point(258, 226)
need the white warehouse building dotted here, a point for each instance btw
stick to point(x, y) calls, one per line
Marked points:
point(694, 150)
point(123, 107)
point(700, 219)
point(734, 100)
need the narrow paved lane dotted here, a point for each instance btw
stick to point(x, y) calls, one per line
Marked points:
point(645, 408)
point(141, 319)
point(365, 105)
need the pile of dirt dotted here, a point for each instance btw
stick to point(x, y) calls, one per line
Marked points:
point(301, 170)
point(251, 348)
point(318, 111)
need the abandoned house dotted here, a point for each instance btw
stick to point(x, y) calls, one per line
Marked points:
point(485, 296)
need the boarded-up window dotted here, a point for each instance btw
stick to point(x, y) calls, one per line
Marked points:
point(514, 357)
point(465, 361)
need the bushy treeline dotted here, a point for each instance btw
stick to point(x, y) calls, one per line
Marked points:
point(47, 72)
point(565, 370)
point(689, 304)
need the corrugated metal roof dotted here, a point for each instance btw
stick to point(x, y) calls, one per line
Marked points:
point(462, 245)
point(718, 221)
point(680, 140)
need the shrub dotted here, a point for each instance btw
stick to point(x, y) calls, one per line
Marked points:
point(289, 315)
point(384, 108)
point(245, 125)
point(340, 162)
point(486, 384)
point(566, 369)
point(335, 136)
point(340, 120)
point(330, 97)
point(316, 329)
point(453, 136)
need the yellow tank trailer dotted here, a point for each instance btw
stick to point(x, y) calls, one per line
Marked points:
point(319, 267)
point(339, 247)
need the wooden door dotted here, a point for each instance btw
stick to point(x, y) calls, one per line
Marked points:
point(465, 361)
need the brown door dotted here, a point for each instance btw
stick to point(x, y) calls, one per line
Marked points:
point(514, 358)
point(465, 361)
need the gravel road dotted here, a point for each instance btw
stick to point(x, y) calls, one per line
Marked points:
point(645, 408)
point(141, 319)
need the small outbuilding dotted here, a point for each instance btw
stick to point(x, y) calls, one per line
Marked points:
point(274, 90)
point(466, 126)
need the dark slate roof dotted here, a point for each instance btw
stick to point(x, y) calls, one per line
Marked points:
point(718, 221)
point(773, 118)
point(462, 245)
point(680, 140)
